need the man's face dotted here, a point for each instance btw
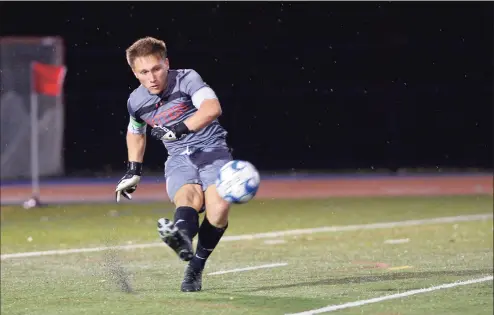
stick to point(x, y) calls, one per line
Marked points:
point(152, 72)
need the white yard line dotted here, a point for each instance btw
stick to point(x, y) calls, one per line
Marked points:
point(274, 242)
point(332, 308)
point(398, 241)
point(268, 235)
point(247, 269)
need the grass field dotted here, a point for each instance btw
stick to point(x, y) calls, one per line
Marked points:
point(316, 268)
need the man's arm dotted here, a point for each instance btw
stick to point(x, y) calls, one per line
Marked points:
point(204, 99)
point(136, 146)
point(136, 140)
point(209, 110)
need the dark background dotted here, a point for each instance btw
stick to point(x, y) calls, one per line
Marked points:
point(322, 85)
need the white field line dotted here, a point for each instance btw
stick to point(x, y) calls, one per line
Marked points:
point(274, 242)
point(268, 235)
point(398, 241)
point(247, 269)
point(332, 308)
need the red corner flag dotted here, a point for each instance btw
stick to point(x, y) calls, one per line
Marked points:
point(48, 79)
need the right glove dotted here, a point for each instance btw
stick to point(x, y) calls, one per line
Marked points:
point(128, 184)
point(171, 133)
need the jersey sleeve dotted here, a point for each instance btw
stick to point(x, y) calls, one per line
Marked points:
point(136, 124)
point(192, 82)
point(193, 85)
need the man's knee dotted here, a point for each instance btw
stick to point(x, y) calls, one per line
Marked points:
point(217, 209)
point(189, 195)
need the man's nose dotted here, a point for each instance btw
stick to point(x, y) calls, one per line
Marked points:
point(153, 77)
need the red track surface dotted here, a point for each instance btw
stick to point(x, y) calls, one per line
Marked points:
point(272, 189)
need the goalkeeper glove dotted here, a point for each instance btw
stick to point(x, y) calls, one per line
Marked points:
point(172, 133)
point(128, 184)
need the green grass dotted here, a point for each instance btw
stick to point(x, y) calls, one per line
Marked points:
point(323, 269)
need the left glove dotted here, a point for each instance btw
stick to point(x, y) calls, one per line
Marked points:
point(128, 184)
point(172, 133)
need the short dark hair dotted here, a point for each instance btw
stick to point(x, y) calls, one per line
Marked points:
point(144, 47)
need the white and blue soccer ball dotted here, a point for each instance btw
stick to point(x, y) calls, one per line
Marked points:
point(238, 181)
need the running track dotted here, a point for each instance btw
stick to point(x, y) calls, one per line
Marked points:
point(320, 186)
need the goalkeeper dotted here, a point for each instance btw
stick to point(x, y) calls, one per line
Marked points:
point(182, 111)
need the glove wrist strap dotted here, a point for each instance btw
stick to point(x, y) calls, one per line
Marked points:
point(134, 168)
point(182, 129)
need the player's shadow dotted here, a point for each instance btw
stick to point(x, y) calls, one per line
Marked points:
point(373, 278)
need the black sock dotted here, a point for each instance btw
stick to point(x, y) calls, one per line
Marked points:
point(187, 219)
point(209, 237)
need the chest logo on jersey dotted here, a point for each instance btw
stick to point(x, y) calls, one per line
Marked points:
point(167, 115)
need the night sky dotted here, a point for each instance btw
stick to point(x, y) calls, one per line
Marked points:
point(321, 85)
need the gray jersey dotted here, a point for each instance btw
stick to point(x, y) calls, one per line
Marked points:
point(174, 105)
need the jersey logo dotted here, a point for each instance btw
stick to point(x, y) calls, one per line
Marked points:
point(169, 114)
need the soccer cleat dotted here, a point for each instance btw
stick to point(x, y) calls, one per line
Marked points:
point(176, 239)
point(192, 279)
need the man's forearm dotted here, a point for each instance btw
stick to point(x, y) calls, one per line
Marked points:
point(136, 146)
point(207, 113)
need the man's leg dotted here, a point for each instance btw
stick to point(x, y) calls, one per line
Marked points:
point(215, 221)
point(213, 227)
point(184, 189)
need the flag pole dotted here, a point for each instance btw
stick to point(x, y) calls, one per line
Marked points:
point(48, 82)
point(34, 139)
point(59, 99)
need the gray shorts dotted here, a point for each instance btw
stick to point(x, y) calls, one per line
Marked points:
point(200, 167)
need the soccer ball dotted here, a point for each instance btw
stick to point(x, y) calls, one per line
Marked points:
point(238, 181)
